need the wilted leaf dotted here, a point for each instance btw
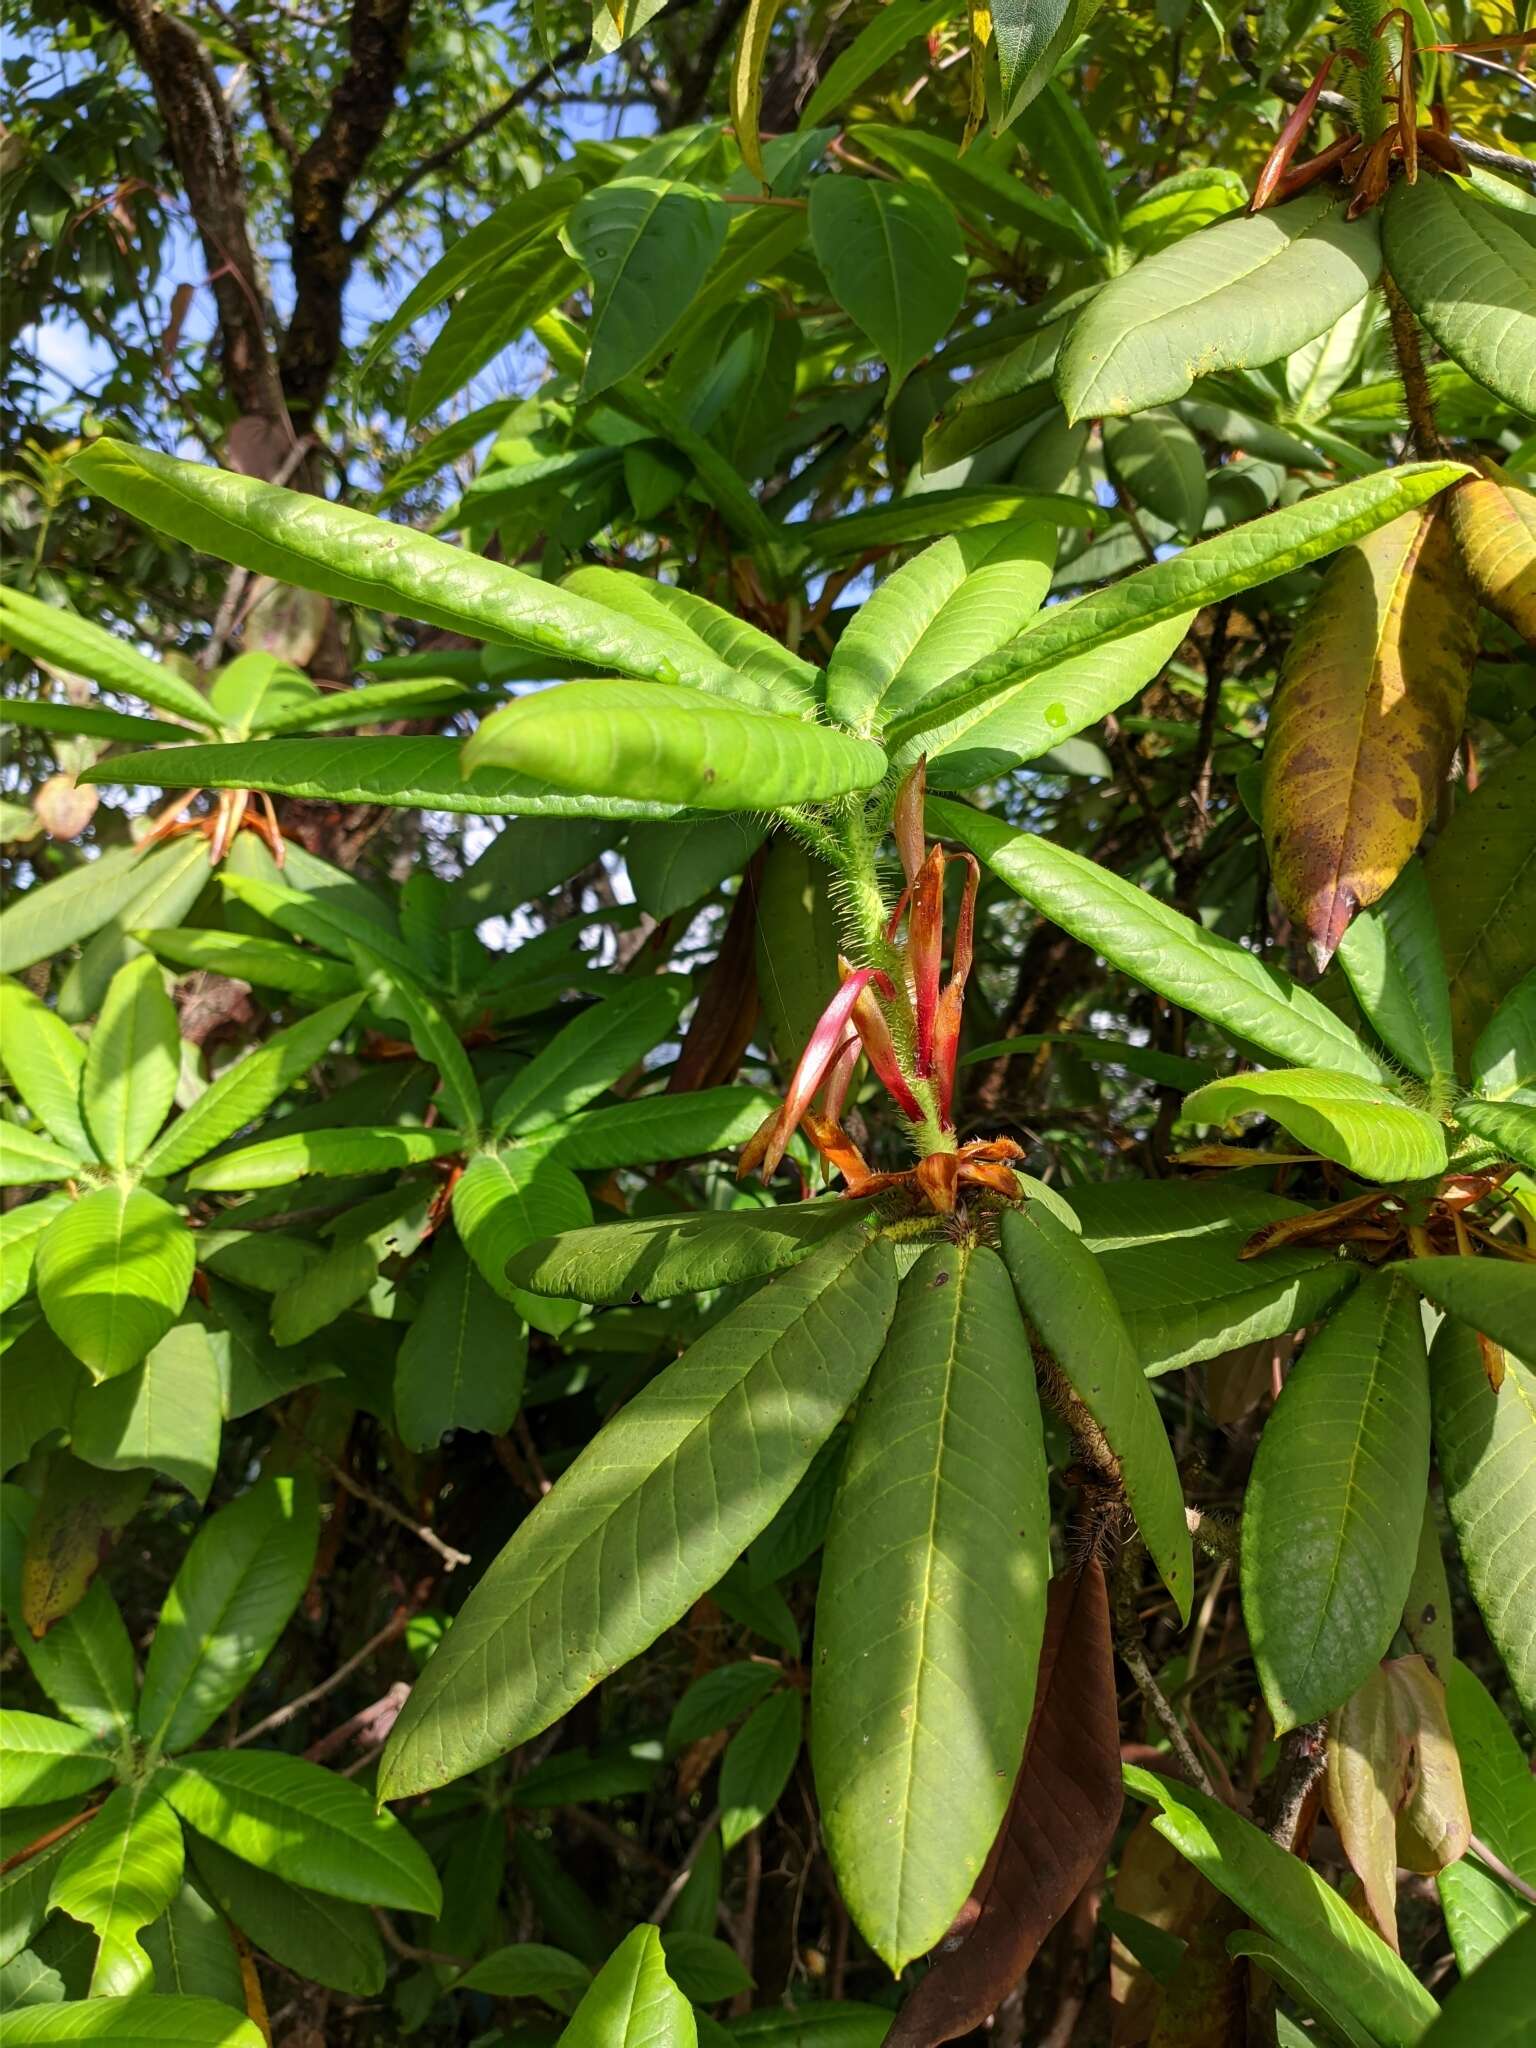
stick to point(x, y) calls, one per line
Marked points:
point(1495, 527)
point(81, 1515)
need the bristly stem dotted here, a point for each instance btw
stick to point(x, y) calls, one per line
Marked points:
point(1424, 429)
point(1368, 80)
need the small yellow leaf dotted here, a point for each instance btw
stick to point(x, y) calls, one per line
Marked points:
point(747, 82)
point(981, 37)
point(1366, 721)
point(1495, 527)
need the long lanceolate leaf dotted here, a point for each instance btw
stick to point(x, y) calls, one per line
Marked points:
point(49, 633)
point(1360, 1123)
point(1169, 953)
point(150, 2020)
point(319, 546)
point(420, 772)
point(1331, 1520)
point(1216, 568)
point(610, 738)
point(653, 1258)
point(932, 1604)
point(649, 1516)
point(1069, 1305)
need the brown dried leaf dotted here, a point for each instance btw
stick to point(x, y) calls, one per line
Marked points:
point(81, 1515)
point(1059, 1825)
point(1366, 720)
point(1495, 527)
point(726, 1013)
point(1202, 2004)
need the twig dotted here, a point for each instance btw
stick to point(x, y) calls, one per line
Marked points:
point(1134, 1658)
point(366, 1718)
point(281, 1716)
point(1500, 1868)
point(1292, 91)
point(47, 1841)
point(1427, 440)
point(452, 1558)
point(408, 1951)
point(1199, 823)
point(684, 1870)
point(746, 1925)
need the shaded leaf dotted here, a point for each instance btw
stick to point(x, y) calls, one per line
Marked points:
point(1060, 1822)
point(756, 1767)
point(586, 1056)
point(1482, 881)
point(1438, 234)
point(895, 262)
point(1391, 956)
point(646, 243)
point(166, 1414)
point(81, 1514)
point(333, 1942)
point(931, 1604)
point(462, 1361)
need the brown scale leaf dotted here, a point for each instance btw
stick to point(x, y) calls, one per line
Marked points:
point(1366, 720)
point(1495, 526)
point(1059, 1825)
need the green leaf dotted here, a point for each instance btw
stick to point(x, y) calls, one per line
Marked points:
point(1067, 151)
point(344, 554)
point(1159, 464)
point(704, 1968)
point(1221, 567)
point(1068, 1304)
point(632, 2002)
point(1286, 1898)
point(647, 244)
point(487, 245)
point(299, 1822)
point(85, 1661)
point(139, 2022)
point(192, 1952)
point(1481, 1912)
point(1009, 392)
point(614, 737)
point(1032, 36)
point(1170, 1252)
point(24, 1899)
point(170, 882)
point(1247, 291)
point(1391, 955)
point(1359, 1123)
point(755, 1769)
point(45, 1061)
point(672, 867)
point(461, 1364)
point(649, 1516)
point(928, 514)
point(112, 1276)
point(1482, 880)
point(932, 1604)
point(369, 704)
point(132, 1064)
point(1496, 1296)
point(1023, 727)
point(1295, 1975)
point(329, 1155)
point(1504, 1057)
point(61, 913)
point(324, 1289)
point(1469, 274)
point(44, 1759)
point(494, 311)
point(166, 1414)
point(50, 633)
point(1510, 1126)
point(42, 1380)
point(894, 260)
point(1170, 954)
point(121, 1871)
point(238, 1584)
point(330, 1941)
point(28, 1980)
point(245, 1091)
point(402, 998)
point(1492, 2007)
point(718, 1698)
point(528, 1969)
point(1485, 1443)
point(417, 773)
point(958, 600)
point(504, 1200)
point(981, 191)
point(27, 1158)
point(1331, 1519)
point(743, 647)
point(655, 1258)
point(892, 29)
point(586, 1056)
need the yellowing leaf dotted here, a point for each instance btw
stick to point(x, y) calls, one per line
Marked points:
point(747, 82)
point(1369, 710)
point(1495, 528)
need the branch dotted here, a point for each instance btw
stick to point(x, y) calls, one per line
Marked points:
point(323, 178)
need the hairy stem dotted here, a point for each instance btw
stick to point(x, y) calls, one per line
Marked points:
point(1423, 427)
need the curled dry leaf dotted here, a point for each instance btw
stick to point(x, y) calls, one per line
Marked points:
point(63, 808)
point(1059, 1825)
point(1494, 521)
point(1366, 720)
point(1393, 1787)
